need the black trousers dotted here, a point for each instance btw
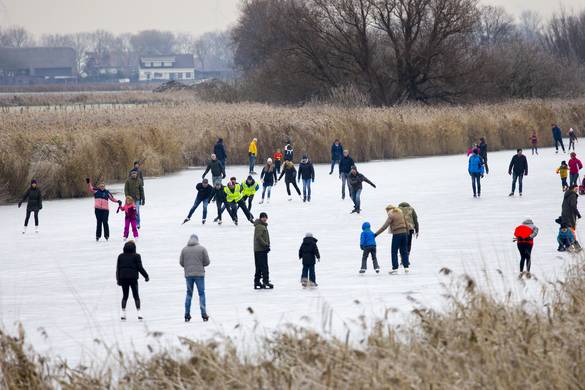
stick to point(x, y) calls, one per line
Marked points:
point(261, 261)
point(410, 234)
point(233, 210)
point(36, 213)
point(101, 217)
point(277, 166)
point(367, 251)
point(525, 252)
point(126, 285)
point(248, 198)
point(294, 183)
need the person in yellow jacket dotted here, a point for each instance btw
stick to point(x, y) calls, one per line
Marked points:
point(252, 153)
point(249, 188)
point(563, 170)
point(235, 200)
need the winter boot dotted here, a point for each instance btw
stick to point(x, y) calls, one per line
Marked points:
point(258, 286)
point(362, 271)
point(185, 221)
point(187, 317)
point(140, 318)
point(268, 285)
point(377, 270)
point(203, 222)
point(123, 317)
point(205, 317)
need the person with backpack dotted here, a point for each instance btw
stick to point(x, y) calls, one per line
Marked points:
point(344, 170)
point(128, 267)
point(34, 203)
point(269, 178)
point(557, 137)
point(475, 169)
point(336, 154)
point(220, 153)
point(575, 165)
point(288, 151)
point(204, 195)
point(194, 258)
point(249, 189)
point(572, 138)
point(307, 174)
point(102, 208)
point(355, 180)
point(290, 174)
point(309, 254)
point(217, 169)
point(524, 237)
point(261, 249)
point(412, 221)
point(368, 247)
point(518, 169)
point(398, 227)
point(483, 149)
point(534, 142)
point(134, 188)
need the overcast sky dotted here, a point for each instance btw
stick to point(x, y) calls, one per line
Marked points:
point(194, 16)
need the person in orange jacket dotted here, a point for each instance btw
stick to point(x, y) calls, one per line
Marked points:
point(524, 236)
point(277, 160)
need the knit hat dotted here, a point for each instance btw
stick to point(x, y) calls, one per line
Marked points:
point(263, 215)
point(309, 235)
point(269, 160)
point(249, 178)
point(33, 181)
point(528, 221)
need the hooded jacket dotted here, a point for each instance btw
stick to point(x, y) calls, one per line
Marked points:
point(216, 168)
point(308, 251)
point(194, 258)
point(526, 232)
point(253, 149)
point(261, 237)
point(219, 151)
point(129, 264)
point(367, 238)
point(336, 151)
point(410, 215)
point(475, 165)
point(566, 236)
point(134, 188)
point(395, 221)
point(570, 212)
point(33, 198)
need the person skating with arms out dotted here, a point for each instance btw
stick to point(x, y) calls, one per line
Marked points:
point(204, 195)
point(129, 209)
point(194, 258)
point(217, 170)
point(128, 267)
point(563, 171)
point(524, 237)
point(34, 204)
point(290, 174)
point(307, 174)
point(261, 249)
point(518, 169)
point(368, 247)
point(220, 198)
point(269, 178)
point(355, 180)
point(102, 208)
point(309, 254)
point(249, 189)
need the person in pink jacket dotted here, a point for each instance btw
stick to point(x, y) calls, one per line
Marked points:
point(575, 166)
point(130, 219)
point(102, 210)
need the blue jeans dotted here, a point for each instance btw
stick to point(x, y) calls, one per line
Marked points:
point(309, 273)
point(199, 281)
point(400, 243)
point(355, 196)
point(344, 182)
point(476, 183)
point(252, 163)
point(333, 162)
point(307, 189)
point(519, 179)
point(264, 189)
point(198, 201)
point(137, 204)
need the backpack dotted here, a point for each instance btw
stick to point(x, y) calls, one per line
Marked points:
point(407, 213)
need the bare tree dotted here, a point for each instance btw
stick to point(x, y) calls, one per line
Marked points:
point(495, 25)
point(17, 37)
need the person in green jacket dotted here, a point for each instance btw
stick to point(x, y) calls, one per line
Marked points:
point(134, 187)
point(412, 220)
point(34, 204)
point(261, 249)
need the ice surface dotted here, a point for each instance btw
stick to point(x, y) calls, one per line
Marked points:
point(61, 284)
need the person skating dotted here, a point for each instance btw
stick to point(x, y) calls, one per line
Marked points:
point(518, 169)
point(309, 253)
point(565, 238)
point(278, 156)
point(130, 215)
point(355, 180)
point(475, 169)
point(217, 170)
point(368, 247)
point(134, 188)
point(572, 138)
point(412, 221)
point(290, 174)
point(483, 149)
point(569, 211)
point(344, 170)
point(261, 249)
point(220, 197)
point(252, 153)
point(128, 267)
point(534, 143)
point(249, 188)
point(194, 258)
point(575, 165)
point(307, 174)
point(557, 137)
point(235, 201)
point(34, 204)
point(336, 154)
point(204, 194)
point(524, 237)
point(563, 171)
point(269, 178)
point(288, 151)
point(102, 208)
point(220, 153)
point(398, 226)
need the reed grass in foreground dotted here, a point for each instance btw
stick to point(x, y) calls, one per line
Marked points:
point(478, 342)
point(61, 148)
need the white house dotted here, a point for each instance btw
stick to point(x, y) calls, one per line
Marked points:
point(167, 67)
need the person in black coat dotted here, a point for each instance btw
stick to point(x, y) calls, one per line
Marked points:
point(518, 169)
point(570, 212)
point(483, 149)
point(290, 174)
point(127, 269)
point(219, 151)
point(344, 170)
point(269, 178)
point(204, 194)
point(355, 180)
point(336, 154)
point(307, 173)
point(309, 253)
point(34, 204)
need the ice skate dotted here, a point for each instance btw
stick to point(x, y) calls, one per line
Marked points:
point(140, 318)
point(36, 229)
point(304, 282)
point(216, 219)
point(186, 220)
point(393, 272)
point(187, 317)
point(258, 286)
point(362, 271)
point(511, 194)
point(261, 201)
point(290, 199)
point(24, 230)
point(405, 270)
point(268, 200)
point(203, 222)
point(269, 285)
point(377, 270)
point(205, 317)
point(123, 317)
point(219, 222)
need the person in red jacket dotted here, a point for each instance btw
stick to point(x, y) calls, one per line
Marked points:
point(524, 237)
point(575, 166)
point(277, 157)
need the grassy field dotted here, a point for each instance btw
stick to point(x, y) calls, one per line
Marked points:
point(61, 147)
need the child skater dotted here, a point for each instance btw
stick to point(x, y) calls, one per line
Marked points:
point(368, 246)
point(563, 170)
point(565, 238)
point(534, 142)
point(524, 237)
point(130, 210)
point(308, 252)
point(277, 160)
point(127, 269)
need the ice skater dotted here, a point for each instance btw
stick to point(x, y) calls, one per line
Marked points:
point(557, 137)
point(309, 254)
point(307, 174)
point(261, 249)
point(134, 188)
point(399, 228)
point(220, 197)
point(130, 214)
point(344, 170)
point(220, 153)
point(252, 153)
point(355, 181)
point(475, 169)
point(518, 169)
point(483, 149)
point(524, 236)
point(288, 151)
point(34, 203)
point(368, 247)
point(278, 156)
point(194, 258)
point(412, 221)
point(234, 198)
point(249, 189)
point(269, 178)
point(575, 165)
point(336, 154)
point(572, 138)
point(102, 208)
point(127, 269)
point(217, 169)
point(563, 171)
point(290, 174)
point(204, 194)
point(534, 143)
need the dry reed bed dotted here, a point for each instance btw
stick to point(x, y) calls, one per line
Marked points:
point(60, 148)
point(477, 343)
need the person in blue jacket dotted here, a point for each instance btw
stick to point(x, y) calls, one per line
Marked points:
point(368, 246)
point(219, 151)
point(565, 238)
point(345, 165)
point(476, 170)
point(557, 137)
point(336, 154)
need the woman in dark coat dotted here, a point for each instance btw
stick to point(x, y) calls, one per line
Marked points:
point(34, 204)
point(570, 212)
point(127, 270)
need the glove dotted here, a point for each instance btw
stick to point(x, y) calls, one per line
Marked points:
point(119, 203)
point(373, 185)
point(142, 202)
point(510, 173)
point(19, 204)
point(87, 180)
point(146, 279)
point(481, 176)
point(223, 176)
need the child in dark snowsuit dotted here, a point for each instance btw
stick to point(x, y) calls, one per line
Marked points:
point(308, 252)
point(368, 246)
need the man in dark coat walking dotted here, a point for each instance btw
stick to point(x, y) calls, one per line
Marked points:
point(336, 154)
point(557, 137)
point(518, 169)
point(261, 249)
point(219, 151)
